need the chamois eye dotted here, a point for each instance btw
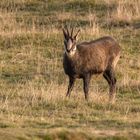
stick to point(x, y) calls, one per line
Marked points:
point(72, 40)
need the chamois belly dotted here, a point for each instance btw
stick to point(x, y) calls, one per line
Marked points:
point(81, 71)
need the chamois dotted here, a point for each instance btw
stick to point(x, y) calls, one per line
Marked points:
point(87, 58)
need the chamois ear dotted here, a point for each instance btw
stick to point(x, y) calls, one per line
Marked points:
point(64, 33)
point(68, 34)
point(75, 37)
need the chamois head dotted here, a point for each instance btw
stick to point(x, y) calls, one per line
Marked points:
point(70, 41)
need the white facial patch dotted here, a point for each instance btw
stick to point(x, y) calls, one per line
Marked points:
point(73, 51)
point(69, 44)
point(71, 48)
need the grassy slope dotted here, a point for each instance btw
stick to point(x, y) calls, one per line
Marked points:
point(32, 81)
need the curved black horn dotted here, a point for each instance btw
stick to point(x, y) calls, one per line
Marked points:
point(72, 32)
point(67, 31)
point(77, 33)
point(64, 33)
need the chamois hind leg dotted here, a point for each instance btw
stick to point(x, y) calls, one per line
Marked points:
point(109, 75)
point(86, 81)
point(70, 86)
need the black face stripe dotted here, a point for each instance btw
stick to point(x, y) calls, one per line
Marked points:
point(66, 43)
point(70, 49)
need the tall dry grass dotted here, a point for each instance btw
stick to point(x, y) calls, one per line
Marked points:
point(125, 10)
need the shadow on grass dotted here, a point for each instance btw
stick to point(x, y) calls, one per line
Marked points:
point(108, 124)
point(116, 24)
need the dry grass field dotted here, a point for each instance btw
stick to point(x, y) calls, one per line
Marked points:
point(32, 81)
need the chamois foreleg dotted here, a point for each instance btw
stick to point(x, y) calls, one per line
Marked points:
point(70, 86)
